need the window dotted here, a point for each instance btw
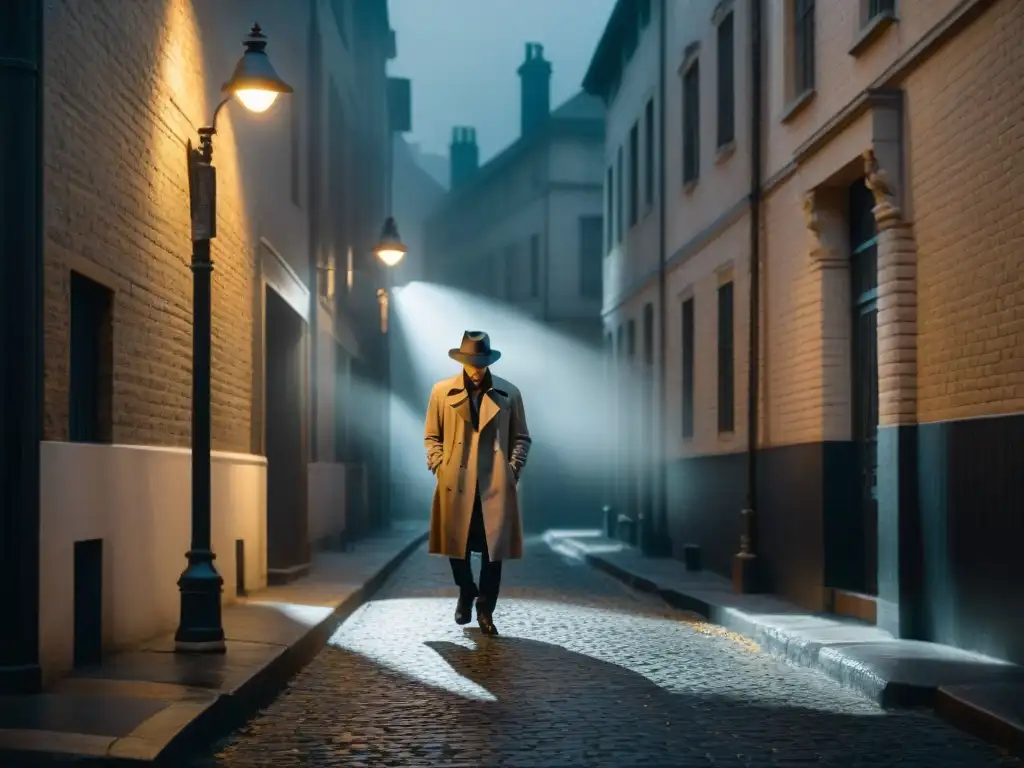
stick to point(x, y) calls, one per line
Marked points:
point(687, 354)
point(631, 38)
point(634, 174)
point(631, 341)
point(511, 257)
point(649, 335)
point(295, 148)
point(90, 394)
point(725, 359)
point(649, 153)
point(609, 210)
point(590, 257)
point(534, 266)
point(618, 199)
point(726, 83)
point(803, 46)
point(878, 7)
point(691, 123)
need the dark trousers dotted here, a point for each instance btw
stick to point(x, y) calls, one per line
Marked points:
point(490, 570)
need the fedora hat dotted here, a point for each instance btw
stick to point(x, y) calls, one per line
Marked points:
point(475, 350)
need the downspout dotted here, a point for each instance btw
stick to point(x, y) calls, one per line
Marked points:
point(545, 260)
point(313, 224)
point(744, 573)
point(662, 545)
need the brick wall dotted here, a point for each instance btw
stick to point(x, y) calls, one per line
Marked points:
point(125, 89)
point(966, 143)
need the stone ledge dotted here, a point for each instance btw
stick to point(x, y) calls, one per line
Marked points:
point(972, 691)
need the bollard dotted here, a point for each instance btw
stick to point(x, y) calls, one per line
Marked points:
point(691, 557)
point(627, 529)
point(608, 515)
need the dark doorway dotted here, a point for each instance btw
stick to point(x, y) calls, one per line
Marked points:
point(864, 370)
point(88, 605)
point(91, 386)
point(287, 515)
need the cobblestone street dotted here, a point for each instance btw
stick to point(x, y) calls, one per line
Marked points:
point(586, 673)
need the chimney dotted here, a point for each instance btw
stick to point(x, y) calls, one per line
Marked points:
point(535, 74)
point(463, 156)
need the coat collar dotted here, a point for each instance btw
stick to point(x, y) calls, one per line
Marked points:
point(491, 403)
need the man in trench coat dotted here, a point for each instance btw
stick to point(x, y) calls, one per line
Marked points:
point(477, 443)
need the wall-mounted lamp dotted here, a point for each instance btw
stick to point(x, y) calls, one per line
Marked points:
point(390, 250)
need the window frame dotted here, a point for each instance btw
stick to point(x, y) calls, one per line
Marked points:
point(726, 343)
point(691, 122)
point(535, 266)
point(726, 81)
point(590, 260)
point(688, 364)
point(649, 138)
point(804, 47)
point(634, 174)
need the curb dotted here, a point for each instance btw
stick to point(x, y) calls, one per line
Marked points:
point(232, 710)
point(228, 711)
point(831, 661)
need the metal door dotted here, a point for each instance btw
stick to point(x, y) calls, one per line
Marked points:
point(864, 282)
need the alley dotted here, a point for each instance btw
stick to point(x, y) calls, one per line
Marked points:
point(586, 673)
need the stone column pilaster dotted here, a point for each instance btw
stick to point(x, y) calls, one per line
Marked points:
point(899, 525)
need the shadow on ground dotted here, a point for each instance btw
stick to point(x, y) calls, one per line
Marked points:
point(554, 707)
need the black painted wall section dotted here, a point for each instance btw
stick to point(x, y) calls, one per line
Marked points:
point(971, 481)
point(805, 515)
point(705, 496)
point(950, 526)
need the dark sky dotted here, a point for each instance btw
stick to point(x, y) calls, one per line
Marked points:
point(462, 57)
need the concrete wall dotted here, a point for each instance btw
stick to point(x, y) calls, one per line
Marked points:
point(137, 500)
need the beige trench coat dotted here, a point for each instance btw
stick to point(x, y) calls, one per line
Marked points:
point(463, 459)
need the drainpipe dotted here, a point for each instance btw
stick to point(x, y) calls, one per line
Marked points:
point(21, 340)
point(744, 571)
point(313, 221)
point(662, 545)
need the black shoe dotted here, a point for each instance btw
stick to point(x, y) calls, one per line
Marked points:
point(484, 620)
point(464, 609)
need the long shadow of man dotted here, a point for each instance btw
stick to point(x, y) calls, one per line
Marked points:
point(558, 707)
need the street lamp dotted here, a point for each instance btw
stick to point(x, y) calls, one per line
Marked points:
point(390, 250)
point(256, 85)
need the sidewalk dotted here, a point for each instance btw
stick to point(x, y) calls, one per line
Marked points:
point(150, 706)
point(981, 695)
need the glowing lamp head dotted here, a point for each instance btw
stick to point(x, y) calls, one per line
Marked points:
point(255, 83)
point(390, 248)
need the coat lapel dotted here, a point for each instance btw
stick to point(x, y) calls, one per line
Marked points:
point(459, 402)
point(490, 406)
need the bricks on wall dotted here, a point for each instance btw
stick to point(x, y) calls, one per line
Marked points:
point(125, 90)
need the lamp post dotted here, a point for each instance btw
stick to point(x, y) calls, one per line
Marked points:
point(390, 250)
point(256, 85)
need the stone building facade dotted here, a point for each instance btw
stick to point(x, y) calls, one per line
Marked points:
point(886, 202)
point(125, 88)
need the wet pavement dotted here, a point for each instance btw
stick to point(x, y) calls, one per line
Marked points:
point(586, 673)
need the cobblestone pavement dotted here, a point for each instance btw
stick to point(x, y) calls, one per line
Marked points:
point(586, 673)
